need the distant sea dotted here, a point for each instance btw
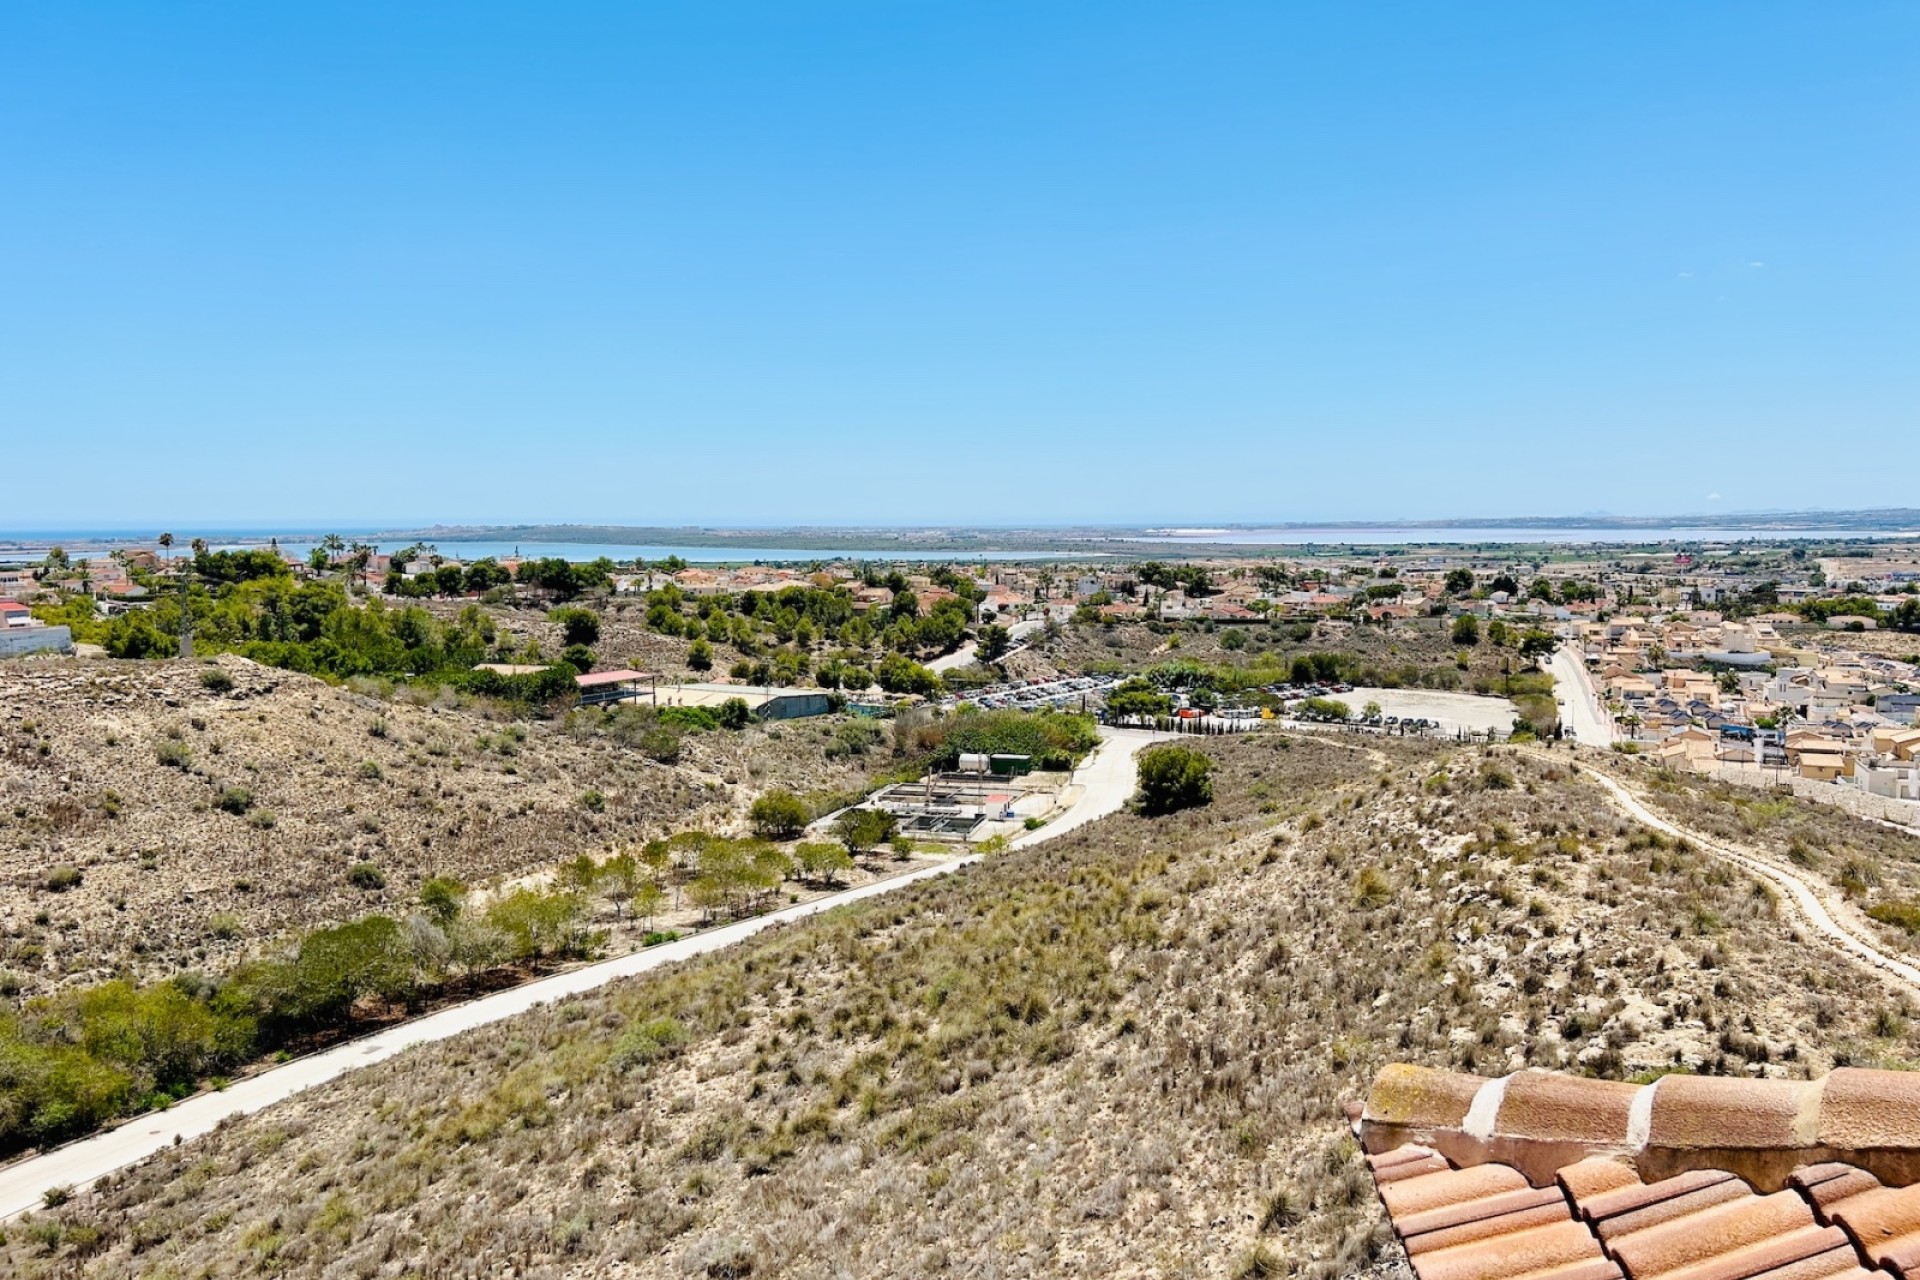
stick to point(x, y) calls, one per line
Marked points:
point(32, 546)
point(1391, 535)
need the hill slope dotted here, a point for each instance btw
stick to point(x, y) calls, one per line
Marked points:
point(1119, 1053)
point(202, 819)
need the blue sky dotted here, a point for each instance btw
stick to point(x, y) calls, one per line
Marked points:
point(922, 262)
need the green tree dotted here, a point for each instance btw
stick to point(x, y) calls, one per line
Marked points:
point(821, 861)
point(1459, 581)
point(442, 898)
point(538, 925)
point(1466, 629)
point(577, 626)
point(1174, 778)
point(862, 830)
point(700, 655)
point(779, 815)
point(897, 674)
point(1139, 698)
point(994, 643)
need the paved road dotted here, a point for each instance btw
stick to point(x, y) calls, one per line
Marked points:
point(964, 654)
point(1809, 898)
point(1106, 781)
point(1580, 707)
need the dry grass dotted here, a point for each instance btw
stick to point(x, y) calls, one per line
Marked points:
point(1873, 864)
point(1121, 1053)
point(200, 822)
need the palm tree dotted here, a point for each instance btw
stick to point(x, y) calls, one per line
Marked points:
point(357, 565)
point(166, 544)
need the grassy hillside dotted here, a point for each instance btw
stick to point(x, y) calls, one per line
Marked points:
point(164, 815)
point(1120, 1053)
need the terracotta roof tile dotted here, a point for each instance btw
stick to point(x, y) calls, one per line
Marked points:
point(1847, 1149)
point(1864, 1109)
point(1556, 1108)
point(1434, 1190)
point(1508, 1257)
point(1720, 1113)
point(1421, 1097)
point(1884, 1222)
point(1678, 1203)
point(1494, 1215)
point(1821, 1249)
point(1718, 1229)
point(1762, 1130)
point(1594, 1175)
point(1610, 1202)
point(1406, 1162)
point(1824, 1184)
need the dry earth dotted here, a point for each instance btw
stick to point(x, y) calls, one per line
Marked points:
point(332, 778)
point(1121, 1053)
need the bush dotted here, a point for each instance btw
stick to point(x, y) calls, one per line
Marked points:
point(1051, 738)
point(172, 754)
point(734, 714)
point(779, 815)
point(593, 801)
point(648, 1042)
point(1372, 889)
point(699, 719)
point(538, 925)
point(1174, 778)
point(861, 829)
point(577, 626)
point(1326, 709)
point(364, 875)
point(234, 800)
point(63, 878)
point(579, 657)
point(215, 680)
point(820, 861)
point(1902, 915)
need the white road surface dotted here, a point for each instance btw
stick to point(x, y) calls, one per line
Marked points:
point(1580, 709)
point(1106, 781)
point(964, 654)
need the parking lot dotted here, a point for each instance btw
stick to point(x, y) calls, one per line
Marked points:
point(1067, 692)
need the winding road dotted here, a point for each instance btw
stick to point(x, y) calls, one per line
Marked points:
point(1106, 780)
point(1806, 896)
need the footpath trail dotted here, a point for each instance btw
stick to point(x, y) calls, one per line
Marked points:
point(1809, 898)
point(1106, 781)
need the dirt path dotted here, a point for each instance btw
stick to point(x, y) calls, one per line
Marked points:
point(1808, 897)
point(1106, 780)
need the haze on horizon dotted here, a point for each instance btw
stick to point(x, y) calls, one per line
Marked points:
point(954, 265)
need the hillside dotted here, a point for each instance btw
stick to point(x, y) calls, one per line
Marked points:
point(1120, 1053)
point(161, 815)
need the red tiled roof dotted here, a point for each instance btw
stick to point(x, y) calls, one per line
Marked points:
point(1599, 1221)
point(1762, 1130)
point(1689, 1178)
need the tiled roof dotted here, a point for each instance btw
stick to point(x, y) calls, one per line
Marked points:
point(1762, 1130)
point(1540, 1176)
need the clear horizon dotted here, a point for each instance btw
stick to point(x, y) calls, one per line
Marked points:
point(944, 265)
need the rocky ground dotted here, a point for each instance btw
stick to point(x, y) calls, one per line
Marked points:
point(154, 818)
point(1119, 1053)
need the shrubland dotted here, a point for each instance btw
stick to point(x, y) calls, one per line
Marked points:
point(1120, 1052)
